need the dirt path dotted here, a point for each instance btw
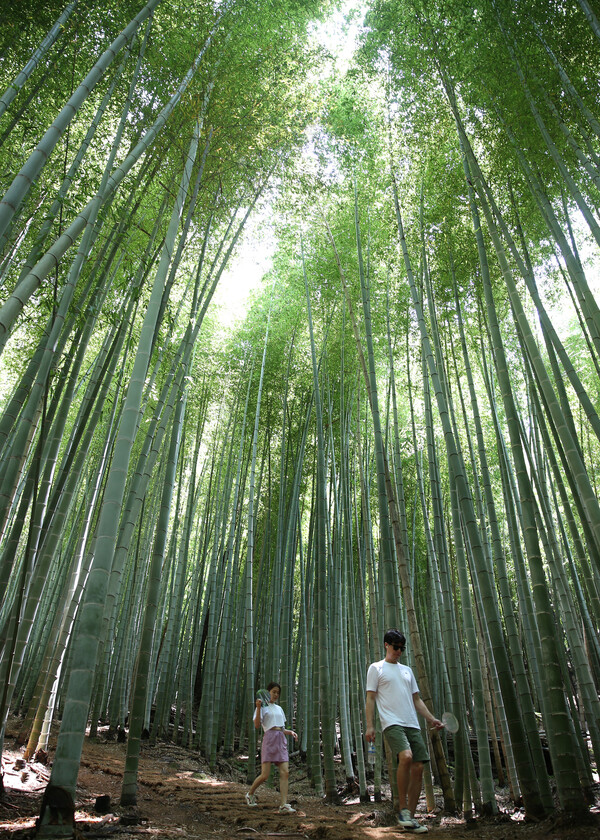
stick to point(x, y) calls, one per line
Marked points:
point(180, 798)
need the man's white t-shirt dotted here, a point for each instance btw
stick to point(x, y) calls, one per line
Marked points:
point(394, 685)
point(271, 715)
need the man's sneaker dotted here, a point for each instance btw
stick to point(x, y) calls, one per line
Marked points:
point(405, 820)
point(408, 823)
point(286, 809)
point(251, 800)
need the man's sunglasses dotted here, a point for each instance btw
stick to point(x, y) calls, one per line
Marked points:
point(399, 647)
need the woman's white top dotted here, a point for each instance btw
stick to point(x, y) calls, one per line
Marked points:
point(271, 715)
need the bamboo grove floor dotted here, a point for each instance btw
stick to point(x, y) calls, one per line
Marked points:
point(180, 798)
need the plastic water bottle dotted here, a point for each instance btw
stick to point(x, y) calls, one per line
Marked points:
point(371, 752)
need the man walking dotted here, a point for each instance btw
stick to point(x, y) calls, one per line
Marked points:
point(393, 687)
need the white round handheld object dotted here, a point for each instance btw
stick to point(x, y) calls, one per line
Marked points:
point(263, 695)
point(450, 722)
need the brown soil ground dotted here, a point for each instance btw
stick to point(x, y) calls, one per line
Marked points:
point(179, 798)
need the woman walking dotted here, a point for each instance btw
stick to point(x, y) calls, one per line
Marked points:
point(274, 747)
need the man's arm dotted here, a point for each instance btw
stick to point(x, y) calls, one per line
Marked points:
point(370, 715)
point(424, 712)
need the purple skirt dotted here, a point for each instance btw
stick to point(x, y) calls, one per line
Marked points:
point(274, 747)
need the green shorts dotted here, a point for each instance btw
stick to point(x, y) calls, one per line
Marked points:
point(401, 738)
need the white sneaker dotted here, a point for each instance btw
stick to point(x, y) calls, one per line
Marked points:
point(408, 823)
point(404, 819)
point(286, 809)
point(251, 800)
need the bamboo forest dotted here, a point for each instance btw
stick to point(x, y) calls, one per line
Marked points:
point(399, 428)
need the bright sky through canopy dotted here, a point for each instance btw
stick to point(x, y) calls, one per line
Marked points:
point(338, 34)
